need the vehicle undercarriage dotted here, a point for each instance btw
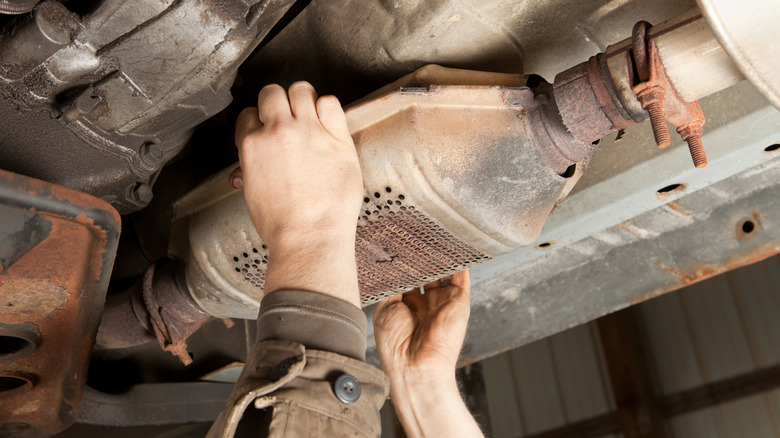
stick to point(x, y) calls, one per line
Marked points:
point(517, 138)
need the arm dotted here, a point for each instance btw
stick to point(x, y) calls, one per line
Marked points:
point(419, 337)
point(302, 182)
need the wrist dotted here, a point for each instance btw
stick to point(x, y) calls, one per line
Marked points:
point(432, 407)
point(418, 391)
point(321, 262)
point(290, 240)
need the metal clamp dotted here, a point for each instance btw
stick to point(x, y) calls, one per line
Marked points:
point(173, 315)
point(656, 94)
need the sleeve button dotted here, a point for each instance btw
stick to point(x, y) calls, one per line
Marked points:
point(347, 389)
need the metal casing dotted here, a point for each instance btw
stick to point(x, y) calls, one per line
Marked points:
point(454, 175)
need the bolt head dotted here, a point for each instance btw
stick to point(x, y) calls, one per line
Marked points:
point(142, 193)
point(151, 153)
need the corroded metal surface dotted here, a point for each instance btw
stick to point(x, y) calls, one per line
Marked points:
point(658, 96)
point(714, 230)
point(51, 299)
point(173, 315)
point(399, 247)
point(158, 307)
point(588, 103)
point(632, 80)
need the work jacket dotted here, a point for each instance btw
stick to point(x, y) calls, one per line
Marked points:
point(307, 392)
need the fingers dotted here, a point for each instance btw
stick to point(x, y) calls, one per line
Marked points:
point(236, 178)
point(417, 302)
point(248, 122)
point(382, 305)
point(432, 285)
point(459, 288)
point(456, 286)
point(391, 318)
point(303, 100)
point(273, 105)
point(462, 280)
point(332, 117)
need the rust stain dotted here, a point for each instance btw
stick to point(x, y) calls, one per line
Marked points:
point(54, 288)
point(748, 226)
point(632, 228)
point(705, 272)
point(586, 100)
point(677, 208)
point(689, 278)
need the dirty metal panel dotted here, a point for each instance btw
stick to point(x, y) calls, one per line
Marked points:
point(58, 249)
point(115, 94)
point(728, 225)
point(385, 40)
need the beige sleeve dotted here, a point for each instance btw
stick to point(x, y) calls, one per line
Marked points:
point(299, 385)
point(306, 341)
point(318, 321)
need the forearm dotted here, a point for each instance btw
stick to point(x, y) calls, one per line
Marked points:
point(432, 408)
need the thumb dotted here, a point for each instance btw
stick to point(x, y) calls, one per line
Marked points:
point(384, 309)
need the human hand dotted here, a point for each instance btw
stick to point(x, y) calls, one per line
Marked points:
point(299, 168)
point(420, 335)
point(303, 186)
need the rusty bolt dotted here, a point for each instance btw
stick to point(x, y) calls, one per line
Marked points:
point(652, 100)
point(697, 151)
point(658, 123)
point(651, 91)
point(692, 133)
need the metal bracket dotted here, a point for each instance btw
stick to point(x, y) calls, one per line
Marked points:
point(657, 95)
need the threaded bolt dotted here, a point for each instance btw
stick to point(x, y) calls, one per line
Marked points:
point(658, 122)
point(697, 151)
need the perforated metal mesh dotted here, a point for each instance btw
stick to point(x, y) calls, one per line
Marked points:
point(398, 248)
point(251, 265)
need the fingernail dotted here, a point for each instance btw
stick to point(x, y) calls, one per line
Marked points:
point(237, 183)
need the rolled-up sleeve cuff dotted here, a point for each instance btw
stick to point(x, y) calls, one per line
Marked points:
point(315, 320)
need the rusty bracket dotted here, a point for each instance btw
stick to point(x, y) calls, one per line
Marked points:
point(57, 249)
point(173, 315)
point(158, 307)
point(657, 95)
